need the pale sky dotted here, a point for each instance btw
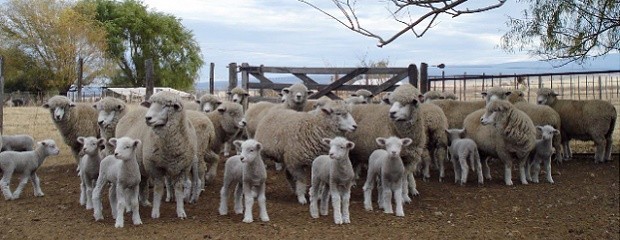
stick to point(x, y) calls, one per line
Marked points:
point(290, 33)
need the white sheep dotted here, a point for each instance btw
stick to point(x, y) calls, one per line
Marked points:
point(26, 163)
point(225, 119)
point(456, 111)
point(461, 150)
point(295, 138)
point(89, 167)
point(542, 154)
point(333, 170)
point(208, 103)
point(19, 143)
point(583, 120)
point(73, 120)
point(432, 95)
point(110, 110)
point(449, 96)
point(246, 172)
point(361, 96)
point(435, 122)
point(387, 170)
point(121, 170)
point(238, 95)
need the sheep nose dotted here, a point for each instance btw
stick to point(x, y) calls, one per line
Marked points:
point(394, 152)
point(392, 114)
point(354, 127)
point(148, 119)
point(116, 155)
point(241, 158)
point(100, 123)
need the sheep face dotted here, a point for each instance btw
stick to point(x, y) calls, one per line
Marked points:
point(516, 96)
point(340, 113)
point(50, 147)
point(232, 115)
point(210, 106)
point(91, 145)
point(495, 93)
point(237, 95)
point(159, 114)
point(494, 112)
point(59, 106)
point(393, 145)
point(124, 147)
point(296, 95)
point(403, 112)
point(548, 131)
point(250, 149)
point(355, 99)
point(339, 147)
point(546, 96)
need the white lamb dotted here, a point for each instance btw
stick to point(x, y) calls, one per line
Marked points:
point(27, 164)
point(336, 171)
point(89, 167)
point(461, 150)
point(123, 172)
point(21, 142)
point(247, 173)
point(542, 153)
point(387, 166)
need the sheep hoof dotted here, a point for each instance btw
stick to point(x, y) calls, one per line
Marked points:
point(338, 221)
point(400, 214)
point(368, 209)
point(139, 222)
point(118, 225)
point(181, 215)
point(248, 220)
point(41, 195)
point(264, 219)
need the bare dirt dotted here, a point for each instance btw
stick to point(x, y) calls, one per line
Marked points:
point(582, 204)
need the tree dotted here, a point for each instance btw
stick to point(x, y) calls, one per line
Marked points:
point(426, 13)
point(136, 34)
point(570, 30)
point(55, 35)
point(22, 72)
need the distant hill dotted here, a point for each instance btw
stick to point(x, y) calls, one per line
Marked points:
point(608, 62)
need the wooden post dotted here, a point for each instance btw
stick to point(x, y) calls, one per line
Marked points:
point(483, 82)
point(412, 72)
point(2, 94)
point(424, 84)
point(245, 79)
point(600, 89)
point(540, 83)
point(465, 87)
point(232, 76)
point(80, 78)
point(443, 81)
point(149, 81)
point(212, 78)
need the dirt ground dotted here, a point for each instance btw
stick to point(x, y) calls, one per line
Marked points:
point(582, 204)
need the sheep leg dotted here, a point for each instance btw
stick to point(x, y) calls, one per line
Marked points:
point(535, 170)
point(158, 189)
point(398, 199)
point(22, 183)
point(508, 172)
point(548, 170)
point(262, 203)
point(143, 195)
point(412, 184)
point(120, 206)
point(387, 199)
point(196, 182)
point(212, 162)
point(169, 187)
point(487, 169)
point(132, 197)
point(529, 174)
point(248, 196)
point(599, 155)
point(224, 196)
point(478, 165)
point(336, 204)
point(608, 145)
point(5, 184)
point(324, 208)
point(314, 198)
point(567, 151)
point(368, 186)
point(36, 184)
point(97, 198)
point(238, 198)
point(456, 167)
point(113, 199)
point(180, 195)
point(464, 169)
point(82, 193)
point(522, 172)
point(299, 176)
point(440, 156)
point(346, 200)
point(405, 191)
point(559, 151)
point(426, 172)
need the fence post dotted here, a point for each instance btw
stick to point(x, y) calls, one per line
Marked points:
point(540, 83)
point(245, 79)
point(232, 76)
point(149, 81)
point(412, 72)
point(80, 76)
point(2, 94)
point(464, 86)
point(600, 89)
point(212, 78)
point(424, 84)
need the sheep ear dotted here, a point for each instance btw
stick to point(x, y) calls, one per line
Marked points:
point(380, 141)
point(406, 141)
point(177, 106)
point(326, 110)
point(42, 143)
point(136, 143)
point(246, 94)
point(46, 105)
point(146, 104)
point(119, 107)
point(95, 106)
point(350, 145)
point(310, 92)
point(237, 143)
point(72, 105)
point(229, 93)
point(371, 96)
point(259, 146)
point(353, 95)
point(286, 90)
point(508, 93)
point(554, 94)
point(415, 102)
point(112, 141)
point(420, 98)
point(484, 94)
point(326, 141)
point(386, 100)
point(80, 140)
point(101, 141)
point(521, 94)
point(197, 101)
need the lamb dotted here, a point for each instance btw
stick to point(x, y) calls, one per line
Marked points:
point(361, 96)
point(19, 143)
point(225, 121)
point(386, 166)
point(333, 170)
point(540, 115)
point(121, 170)
point(295, 138)
point(461, 150)
point(27, 164)
point(247, 173)
point(583, 120)
point(403, 119)
point(73, 120)
point(89, 167)
point(542, 153)
point(208, 103)
point(238, 95)
point(504, 132)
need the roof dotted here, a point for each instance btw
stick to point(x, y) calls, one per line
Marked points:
point(140, 91)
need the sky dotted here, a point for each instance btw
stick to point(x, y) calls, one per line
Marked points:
point(290, 33)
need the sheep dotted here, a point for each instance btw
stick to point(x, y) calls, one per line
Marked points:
point(122, 171)
point(449, 96)
point(89, 167)
point(504, 132)
point(386, 166)
point(462, 150)
point(361, 96)
point(333, 170)
point(20, 143)
point(432, 95)
point(110, 110)
point(73, 120)
point(540, 115)
point(238, 95)
point(295, 138)
point(247, 173)
point(191, 105)
point(435, 122)
point(403, 119)
point(456, 111)
point(27, 164)
point(208, 103)
point(583, 120)
point(542, 153)
point(225, 121)
point(312, 104)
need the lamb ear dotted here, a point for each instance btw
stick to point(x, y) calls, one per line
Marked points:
point(237, 143)
point(462, 133)
point(406, 141)
point(286, 90)
point(112, 142)
point(46, 105)
point(556, 132)
point(136, 143)
point(326, 141)
point(539, 128)
point(353, 95)
point(42, 143)
point(380, 141)
point(146, 104)
point(259, 146)
point(246, 94)
point(80, 140)
point(350, 145)
point(100, 142)
point(197, 101)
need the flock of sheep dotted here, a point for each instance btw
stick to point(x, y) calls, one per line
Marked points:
point(175, 145)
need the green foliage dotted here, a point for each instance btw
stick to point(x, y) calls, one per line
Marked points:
point(136, 34)
point(22, 72)
point(566, 29)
